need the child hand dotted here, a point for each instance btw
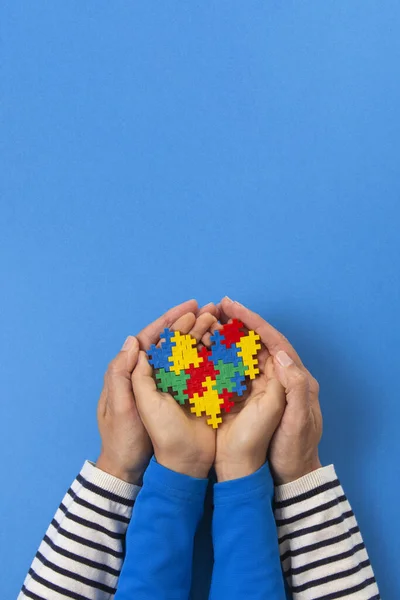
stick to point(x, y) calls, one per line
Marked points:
point(245, 433)
point(182, 442)
point(294, 447)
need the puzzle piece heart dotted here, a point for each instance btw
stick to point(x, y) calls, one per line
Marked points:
point(207, 379)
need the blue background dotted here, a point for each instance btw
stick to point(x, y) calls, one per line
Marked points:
point(156, 151)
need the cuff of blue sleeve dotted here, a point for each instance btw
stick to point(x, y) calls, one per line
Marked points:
point(175, 485)
point(256, 485)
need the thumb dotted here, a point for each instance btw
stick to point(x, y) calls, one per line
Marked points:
point(295, 382)
point(117, 391)
point(143, 383)
point(271, 404)
point(124, 363)
point(129, 353)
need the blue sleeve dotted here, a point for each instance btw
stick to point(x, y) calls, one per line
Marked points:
point(246, 552)
point(159, 541)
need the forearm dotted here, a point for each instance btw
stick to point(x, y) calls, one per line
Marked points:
point(159, 546)
point(245, 541)
point(322, 552)
point(82, 551)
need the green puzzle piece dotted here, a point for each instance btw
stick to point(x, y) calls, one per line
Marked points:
point(168, 379)
point(226, 372)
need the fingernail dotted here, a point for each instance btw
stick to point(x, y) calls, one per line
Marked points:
point(283, 359)
point(229, 299)
point(128, 343)
point(238, 303)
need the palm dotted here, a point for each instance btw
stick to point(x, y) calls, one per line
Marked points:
point(179, 437)
point(252, 411)
point(166, 414)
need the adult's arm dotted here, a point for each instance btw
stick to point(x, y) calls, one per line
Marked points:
point(82, 551)
point(322, 551)
point(159, 541)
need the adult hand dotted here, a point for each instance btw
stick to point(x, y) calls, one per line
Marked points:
point(182, 442)
point(294, 447)
point(126, 447)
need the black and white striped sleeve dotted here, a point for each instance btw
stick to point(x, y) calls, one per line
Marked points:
point(82, 551)
point(322, 552)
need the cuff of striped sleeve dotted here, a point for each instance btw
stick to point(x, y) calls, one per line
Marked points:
point(305, 485)
point(109, 483)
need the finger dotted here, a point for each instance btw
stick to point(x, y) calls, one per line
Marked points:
point(271, 337)
point(209, 308)
point(267, 373)
point(143, 383)
point(296, 383)
point(124, 363)
point(185, 323)
point(222, 316)
point(151, 334)
point(264, 409)
point(273, 405)
point(118, 375)
point(269, 368)
point(206, 339)
point(202, 325)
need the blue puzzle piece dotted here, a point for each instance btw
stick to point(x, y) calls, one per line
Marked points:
point(167, 342)
point(158, 357)
point(238, 380)
point(217, 338)
point(220, 352)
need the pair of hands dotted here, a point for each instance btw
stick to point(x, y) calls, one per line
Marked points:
point(280, 413)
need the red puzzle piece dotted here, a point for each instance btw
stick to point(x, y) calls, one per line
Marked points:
point(227, 405)
point(232, 332)
point(198, 375)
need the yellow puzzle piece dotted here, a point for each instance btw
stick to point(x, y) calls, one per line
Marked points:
point(184, 353)
point(248, 351)
point(209, 403)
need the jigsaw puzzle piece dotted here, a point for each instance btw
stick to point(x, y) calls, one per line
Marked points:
point(228, 403)
point(248, 347)
point(184, 353)
point(232, 332)
point(209, 403)
point(169, 382)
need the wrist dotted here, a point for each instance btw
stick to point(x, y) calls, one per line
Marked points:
point(284, 477)
point(130, 474)
point(198, 469)
point(229, 470)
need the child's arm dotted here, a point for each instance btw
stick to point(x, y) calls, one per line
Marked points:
point(245, 542)
point(158, 561)
point(82, 551)
point(322, 552)
point(160, 538)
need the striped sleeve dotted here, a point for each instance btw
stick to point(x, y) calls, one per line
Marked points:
point(322, 552)
point(82, 551)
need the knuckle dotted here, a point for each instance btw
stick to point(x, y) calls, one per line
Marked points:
point(112, 368)
point(314, 385)
point(300, 380)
